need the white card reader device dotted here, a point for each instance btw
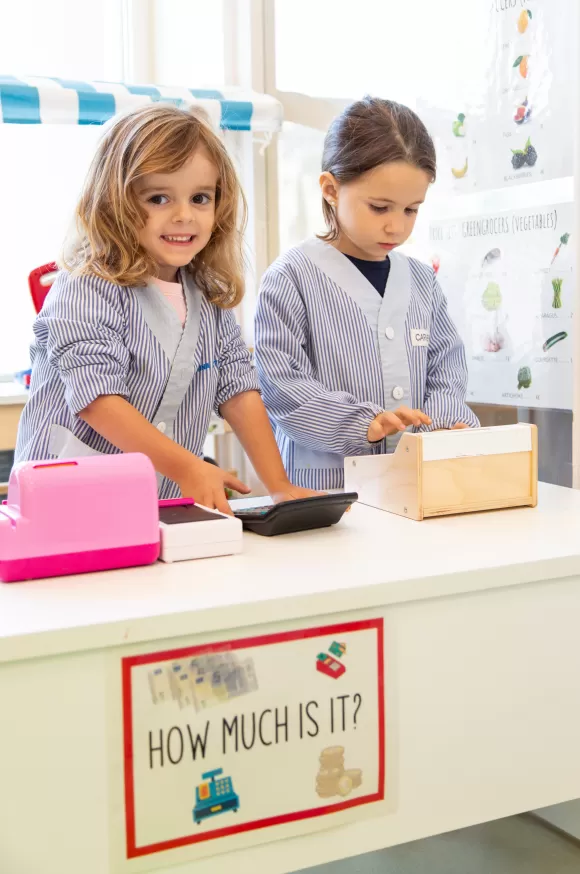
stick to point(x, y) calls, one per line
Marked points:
point(188, 530)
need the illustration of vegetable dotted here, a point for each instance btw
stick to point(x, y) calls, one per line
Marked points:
point(555, 338)
point(492, 256)
point(459, 174)
point(491, 301)
point(524, 19)
point(524, 377)
point(563, 242)
point(523, 112)
point(527, 155)
point(557, 286)
point(523, 64)
point(458, 126)
point(491, 298)
point(494, 342)
point(435, 263)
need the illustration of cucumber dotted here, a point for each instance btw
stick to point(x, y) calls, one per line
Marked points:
point(555, 338)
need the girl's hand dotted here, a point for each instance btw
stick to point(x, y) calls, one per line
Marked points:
point(459, 426)
point(206, 484)
point(386, 424)
point(292, 493)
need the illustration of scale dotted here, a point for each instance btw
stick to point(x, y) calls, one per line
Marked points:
point(216, 796)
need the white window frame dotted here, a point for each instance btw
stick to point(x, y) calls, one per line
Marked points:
point(250, 52)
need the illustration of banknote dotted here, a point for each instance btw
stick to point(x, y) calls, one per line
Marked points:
point(204, 681)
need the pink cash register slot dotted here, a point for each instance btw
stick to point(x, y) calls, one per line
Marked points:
point(80, 515)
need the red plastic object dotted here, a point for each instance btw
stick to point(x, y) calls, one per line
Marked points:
point(39, 282)
point(331, 668)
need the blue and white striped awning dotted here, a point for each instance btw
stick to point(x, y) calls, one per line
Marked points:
point(34, 100)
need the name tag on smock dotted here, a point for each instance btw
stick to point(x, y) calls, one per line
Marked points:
point(419, 337)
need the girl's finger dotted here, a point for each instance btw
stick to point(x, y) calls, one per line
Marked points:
point(237, 485)
point(220, 502)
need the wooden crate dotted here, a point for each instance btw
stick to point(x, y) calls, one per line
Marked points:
point(449, 472)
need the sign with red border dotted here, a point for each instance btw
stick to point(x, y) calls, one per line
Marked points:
point(260, 738)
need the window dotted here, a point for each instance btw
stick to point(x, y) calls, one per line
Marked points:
point(392, 49)
point(188, 45)
point(38, 203)
point(42, 166)
point(300, 212)
point(429, 56)
point(70, 39)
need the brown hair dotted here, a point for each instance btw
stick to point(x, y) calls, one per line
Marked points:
point(157, 138)
point(367, 134)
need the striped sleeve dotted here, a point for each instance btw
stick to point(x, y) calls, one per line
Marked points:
point(446, 383)
point(82, 323)
point(236, 372)
point(304, 409)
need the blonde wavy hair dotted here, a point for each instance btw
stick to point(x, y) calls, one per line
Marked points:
point(158, 138)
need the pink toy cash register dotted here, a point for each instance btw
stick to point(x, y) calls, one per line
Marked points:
point(79, 515)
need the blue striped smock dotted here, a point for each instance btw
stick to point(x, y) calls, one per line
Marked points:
point(331, 355)
point(95, 338)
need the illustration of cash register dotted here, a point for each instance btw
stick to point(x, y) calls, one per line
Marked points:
point(214, 796)
point(325, 664)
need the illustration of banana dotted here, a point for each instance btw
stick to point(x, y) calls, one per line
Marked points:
point(459, 174)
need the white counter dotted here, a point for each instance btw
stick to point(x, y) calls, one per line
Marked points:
point(370, 559)
point(12, 393)
point(483, 673)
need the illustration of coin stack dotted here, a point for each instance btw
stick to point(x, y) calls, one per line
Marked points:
point(332, 778)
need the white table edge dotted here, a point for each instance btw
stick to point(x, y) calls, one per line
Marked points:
point(141, 629)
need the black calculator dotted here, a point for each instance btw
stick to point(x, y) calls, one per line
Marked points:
point(304, 514)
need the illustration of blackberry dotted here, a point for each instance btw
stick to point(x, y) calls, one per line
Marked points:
point(531, 156)
point(527, 155)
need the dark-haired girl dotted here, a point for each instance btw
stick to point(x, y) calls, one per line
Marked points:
point(354, 343)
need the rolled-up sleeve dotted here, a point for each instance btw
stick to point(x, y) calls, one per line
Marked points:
point(83, 324)
point(236, 371)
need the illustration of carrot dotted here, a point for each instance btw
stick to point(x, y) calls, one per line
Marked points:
point(563, 242)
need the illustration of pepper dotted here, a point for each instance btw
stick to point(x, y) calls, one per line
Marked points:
point(524, 378)
point(563, 242)
point(555, 338)
point(557, 286)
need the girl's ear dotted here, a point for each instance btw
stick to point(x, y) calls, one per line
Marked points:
point(329, 188)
